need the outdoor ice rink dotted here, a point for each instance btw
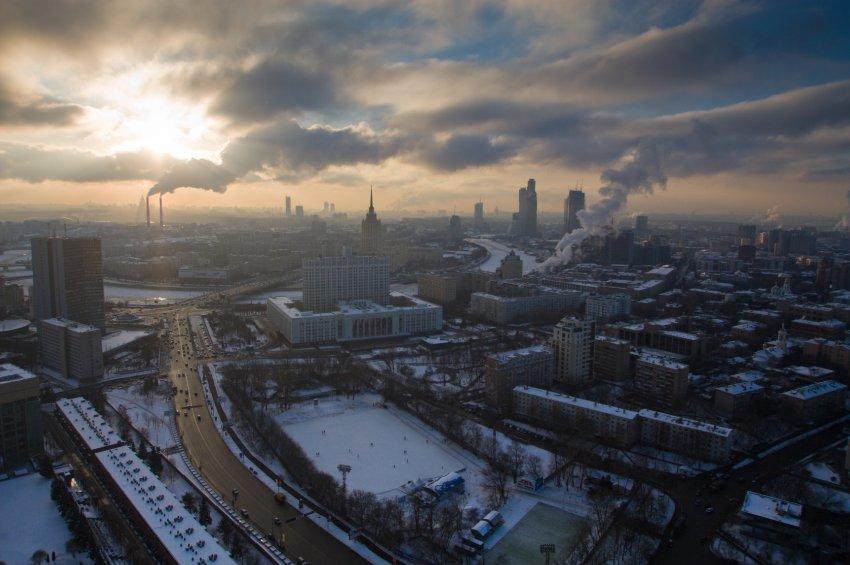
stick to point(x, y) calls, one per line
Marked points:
point(384, 450)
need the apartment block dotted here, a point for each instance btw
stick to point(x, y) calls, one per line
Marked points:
point(532, 366)
point(555, 410)
point(72, 349)
point(571, 340)
point(692, 438)
point(814, 402)
point(661, 380)
point(611, 358)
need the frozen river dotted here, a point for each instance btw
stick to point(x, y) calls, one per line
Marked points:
point(498, 250)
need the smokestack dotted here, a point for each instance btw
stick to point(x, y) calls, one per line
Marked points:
point(148, 202)
point(161, 224)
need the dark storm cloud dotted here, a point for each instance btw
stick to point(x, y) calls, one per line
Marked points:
point(36, 164)
point(272, 87)
point(725, 43)
point(282, 150)
point(20, 110)
point(464, 151)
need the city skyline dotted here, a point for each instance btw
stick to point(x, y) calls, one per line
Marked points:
point(745, 103)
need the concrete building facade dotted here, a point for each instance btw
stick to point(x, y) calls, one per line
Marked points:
point(503, 371)
point(72, 349)
point(611, 358)
point(20, 417)
point(571, 340)
point(661, 380)
point(68, 279)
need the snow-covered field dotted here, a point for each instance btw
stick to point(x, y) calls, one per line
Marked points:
point(150, 414)
point(30, 520)
point(383, 449)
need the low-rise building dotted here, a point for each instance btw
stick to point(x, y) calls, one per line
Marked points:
point(814, 402)
point(555, 410)
point(441, 289)
point(770, 518)
point(661, 380)
point(502, 310)
point(692, 438)
point(533, 366)
point(829, 329)
point(20, 417)
point(355, 320)
point(733, 399)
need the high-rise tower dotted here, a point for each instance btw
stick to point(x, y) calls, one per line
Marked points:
point(371, 231)
point(527, 217)
point(68, 279)
point(573, 204)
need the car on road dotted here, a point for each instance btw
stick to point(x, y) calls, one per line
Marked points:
point(244, 512)
point(709, 509)
point(277, 521)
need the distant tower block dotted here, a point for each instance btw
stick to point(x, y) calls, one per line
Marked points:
point(161, 223)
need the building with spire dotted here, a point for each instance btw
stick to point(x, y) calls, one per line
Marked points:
point(371, 231)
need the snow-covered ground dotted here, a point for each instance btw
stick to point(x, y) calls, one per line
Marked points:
point(383, 449)
point(30, 520)
point(149, 413)
point(822, 471)
point(121, 338)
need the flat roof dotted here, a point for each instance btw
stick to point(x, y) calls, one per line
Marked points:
point(10, 372)
point(662, 361)
point(92, 428)
point(740, 388)
point(178, 531)
point(773, 509)
point(815, 389)
point(71, 325)
point(576, 401)
point(503, 356)
point(683, 422)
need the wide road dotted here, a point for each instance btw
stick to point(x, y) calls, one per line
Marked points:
point(225, 472)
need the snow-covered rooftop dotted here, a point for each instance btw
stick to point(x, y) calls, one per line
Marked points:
point(814, 390)
point(580, 402)
point(684, 422)
point(179, 532)
point(750, 376)
point(506, 356)
point(810, 372)
point(773, 509)
point(88, 423)
point(9, 373)
point(740, 388)
point(662, 361)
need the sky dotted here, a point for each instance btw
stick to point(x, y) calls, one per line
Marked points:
point(434, 103)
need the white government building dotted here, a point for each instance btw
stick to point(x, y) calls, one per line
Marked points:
point(347, 299)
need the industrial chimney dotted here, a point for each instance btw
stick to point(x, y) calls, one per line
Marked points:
point(161, 224)
point(148, 202)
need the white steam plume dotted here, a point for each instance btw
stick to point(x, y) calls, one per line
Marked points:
point(638, 171)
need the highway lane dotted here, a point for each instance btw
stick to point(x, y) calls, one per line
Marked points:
point(225, 472)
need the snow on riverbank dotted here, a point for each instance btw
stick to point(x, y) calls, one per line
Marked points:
point(149, 413)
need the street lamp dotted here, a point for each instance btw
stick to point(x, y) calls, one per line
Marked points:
point(345, 470)
point(547, 549)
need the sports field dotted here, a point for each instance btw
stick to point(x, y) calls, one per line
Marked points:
point(542, 524)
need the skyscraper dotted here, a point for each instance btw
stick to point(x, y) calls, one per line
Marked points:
point(288, 207)
point(455, 228)
point(299, 211)
point(371, 231)
point(68, 279)
point(527, 218)
point(479, 214)
point(571, 340)
point(573, 204)
point(641, 225)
